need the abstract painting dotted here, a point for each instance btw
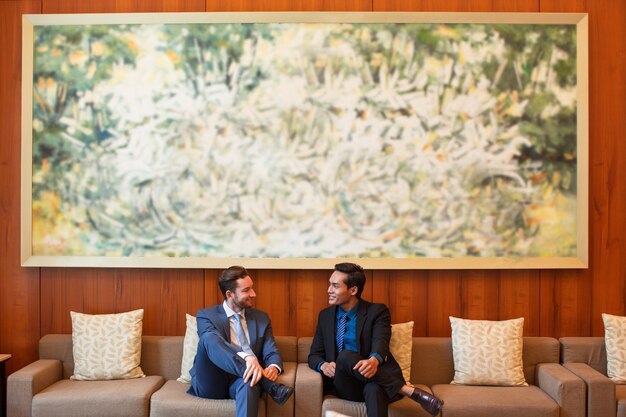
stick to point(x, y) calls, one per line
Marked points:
point(304, 138)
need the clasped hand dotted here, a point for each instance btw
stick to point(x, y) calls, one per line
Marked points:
point(254, 371)
point(366, 367)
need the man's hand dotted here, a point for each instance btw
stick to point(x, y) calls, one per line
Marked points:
point(253, 371)
point(367, 367)
point(271, 373)
point(328, 369)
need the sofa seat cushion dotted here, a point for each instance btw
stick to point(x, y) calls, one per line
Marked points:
point(67, 398)
point(172, 400)
point(620, 398)
point(402, 408)
point(489, 401)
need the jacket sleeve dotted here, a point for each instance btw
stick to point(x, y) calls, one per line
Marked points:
point(317, 353)
point(271, 356)
point(205, 324)
point(381, 331)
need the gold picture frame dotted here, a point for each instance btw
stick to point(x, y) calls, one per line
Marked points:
point(45, 212)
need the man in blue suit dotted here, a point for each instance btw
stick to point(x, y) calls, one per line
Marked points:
point(237, 356)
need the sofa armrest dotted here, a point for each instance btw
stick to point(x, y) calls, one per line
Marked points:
point(564, 387)
point(24, 384)
point(600, 390)
point(309, 392)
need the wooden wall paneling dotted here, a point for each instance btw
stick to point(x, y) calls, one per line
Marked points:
point(272, 296)
point(519, 297)
point(480, 295)
point(19, 287)
point(165, 297)
point(564, 6)
point(168, 297)
point(457, 5)
point(444, 300)
point(122, 6)
point(287, 5)
point(309, 295)
point(212, 293)
point(565, 303)
point(607, 60)
point(406, 295)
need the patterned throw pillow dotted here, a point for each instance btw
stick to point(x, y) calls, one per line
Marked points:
point(401, 346)
point(107, 346)
point(488, 352)
point(190, 345)
point(615, 341)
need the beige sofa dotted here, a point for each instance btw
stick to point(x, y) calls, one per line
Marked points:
point(586, 357)
point(553, 391)
point(43, 388)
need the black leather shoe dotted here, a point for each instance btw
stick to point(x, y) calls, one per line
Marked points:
point(279, 392)
point(428, 402)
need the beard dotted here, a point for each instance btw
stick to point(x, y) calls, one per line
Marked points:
point(243, 303)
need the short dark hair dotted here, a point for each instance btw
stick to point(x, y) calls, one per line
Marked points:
point(355, 278)
point(228, 279)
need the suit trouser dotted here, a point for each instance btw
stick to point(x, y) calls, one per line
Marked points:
point(377, 392)
point(219, 375)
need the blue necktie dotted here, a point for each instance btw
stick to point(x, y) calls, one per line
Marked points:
point(241, 335)
point(341, 331)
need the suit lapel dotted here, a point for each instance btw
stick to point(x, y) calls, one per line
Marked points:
point(331, 328)
point(252, 327)
point(361, 316)
point(224, 322)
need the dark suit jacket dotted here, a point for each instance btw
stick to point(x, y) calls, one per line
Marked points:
point(373, 332)
point(213, 319)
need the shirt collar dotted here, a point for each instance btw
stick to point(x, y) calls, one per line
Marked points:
point(229, 311)
point(350, 313)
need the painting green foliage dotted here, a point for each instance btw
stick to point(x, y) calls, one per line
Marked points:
point(412, 139)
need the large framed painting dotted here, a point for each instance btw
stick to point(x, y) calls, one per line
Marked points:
point(295, 140)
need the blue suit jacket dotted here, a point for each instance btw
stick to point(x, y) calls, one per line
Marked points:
point(214, 320)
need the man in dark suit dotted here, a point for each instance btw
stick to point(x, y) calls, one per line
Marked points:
point(237, 356)
point(351, 348)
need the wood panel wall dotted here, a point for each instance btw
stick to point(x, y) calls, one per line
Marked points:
point(37, 301)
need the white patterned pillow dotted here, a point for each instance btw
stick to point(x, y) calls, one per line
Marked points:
point(401, 346)
point(190, 345)
point(107, 346)
point(488, 352)
point(615, 342)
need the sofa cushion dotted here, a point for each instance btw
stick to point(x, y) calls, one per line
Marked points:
point(190, 346)
point(487, 352)
point(161, 355)
point(172, 400)
point(107, 346)
point(402, 408)
point(401, 345)
point(67, 398)
point(489, 401)
point(615, 340)
point(589, 350)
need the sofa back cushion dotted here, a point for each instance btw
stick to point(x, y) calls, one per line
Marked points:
point(432, 361)
point(589, 350)
point(160, 355)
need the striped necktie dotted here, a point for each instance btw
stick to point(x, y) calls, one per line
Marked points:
point(341, 331)
point(241, 335)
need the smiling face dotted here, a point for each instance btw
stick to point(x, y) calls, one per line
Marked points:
point(243, 296)
point(338, 292)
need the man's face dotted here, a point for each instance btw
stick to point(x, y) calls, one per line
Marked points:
point(244, 295)
point(338, 292)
